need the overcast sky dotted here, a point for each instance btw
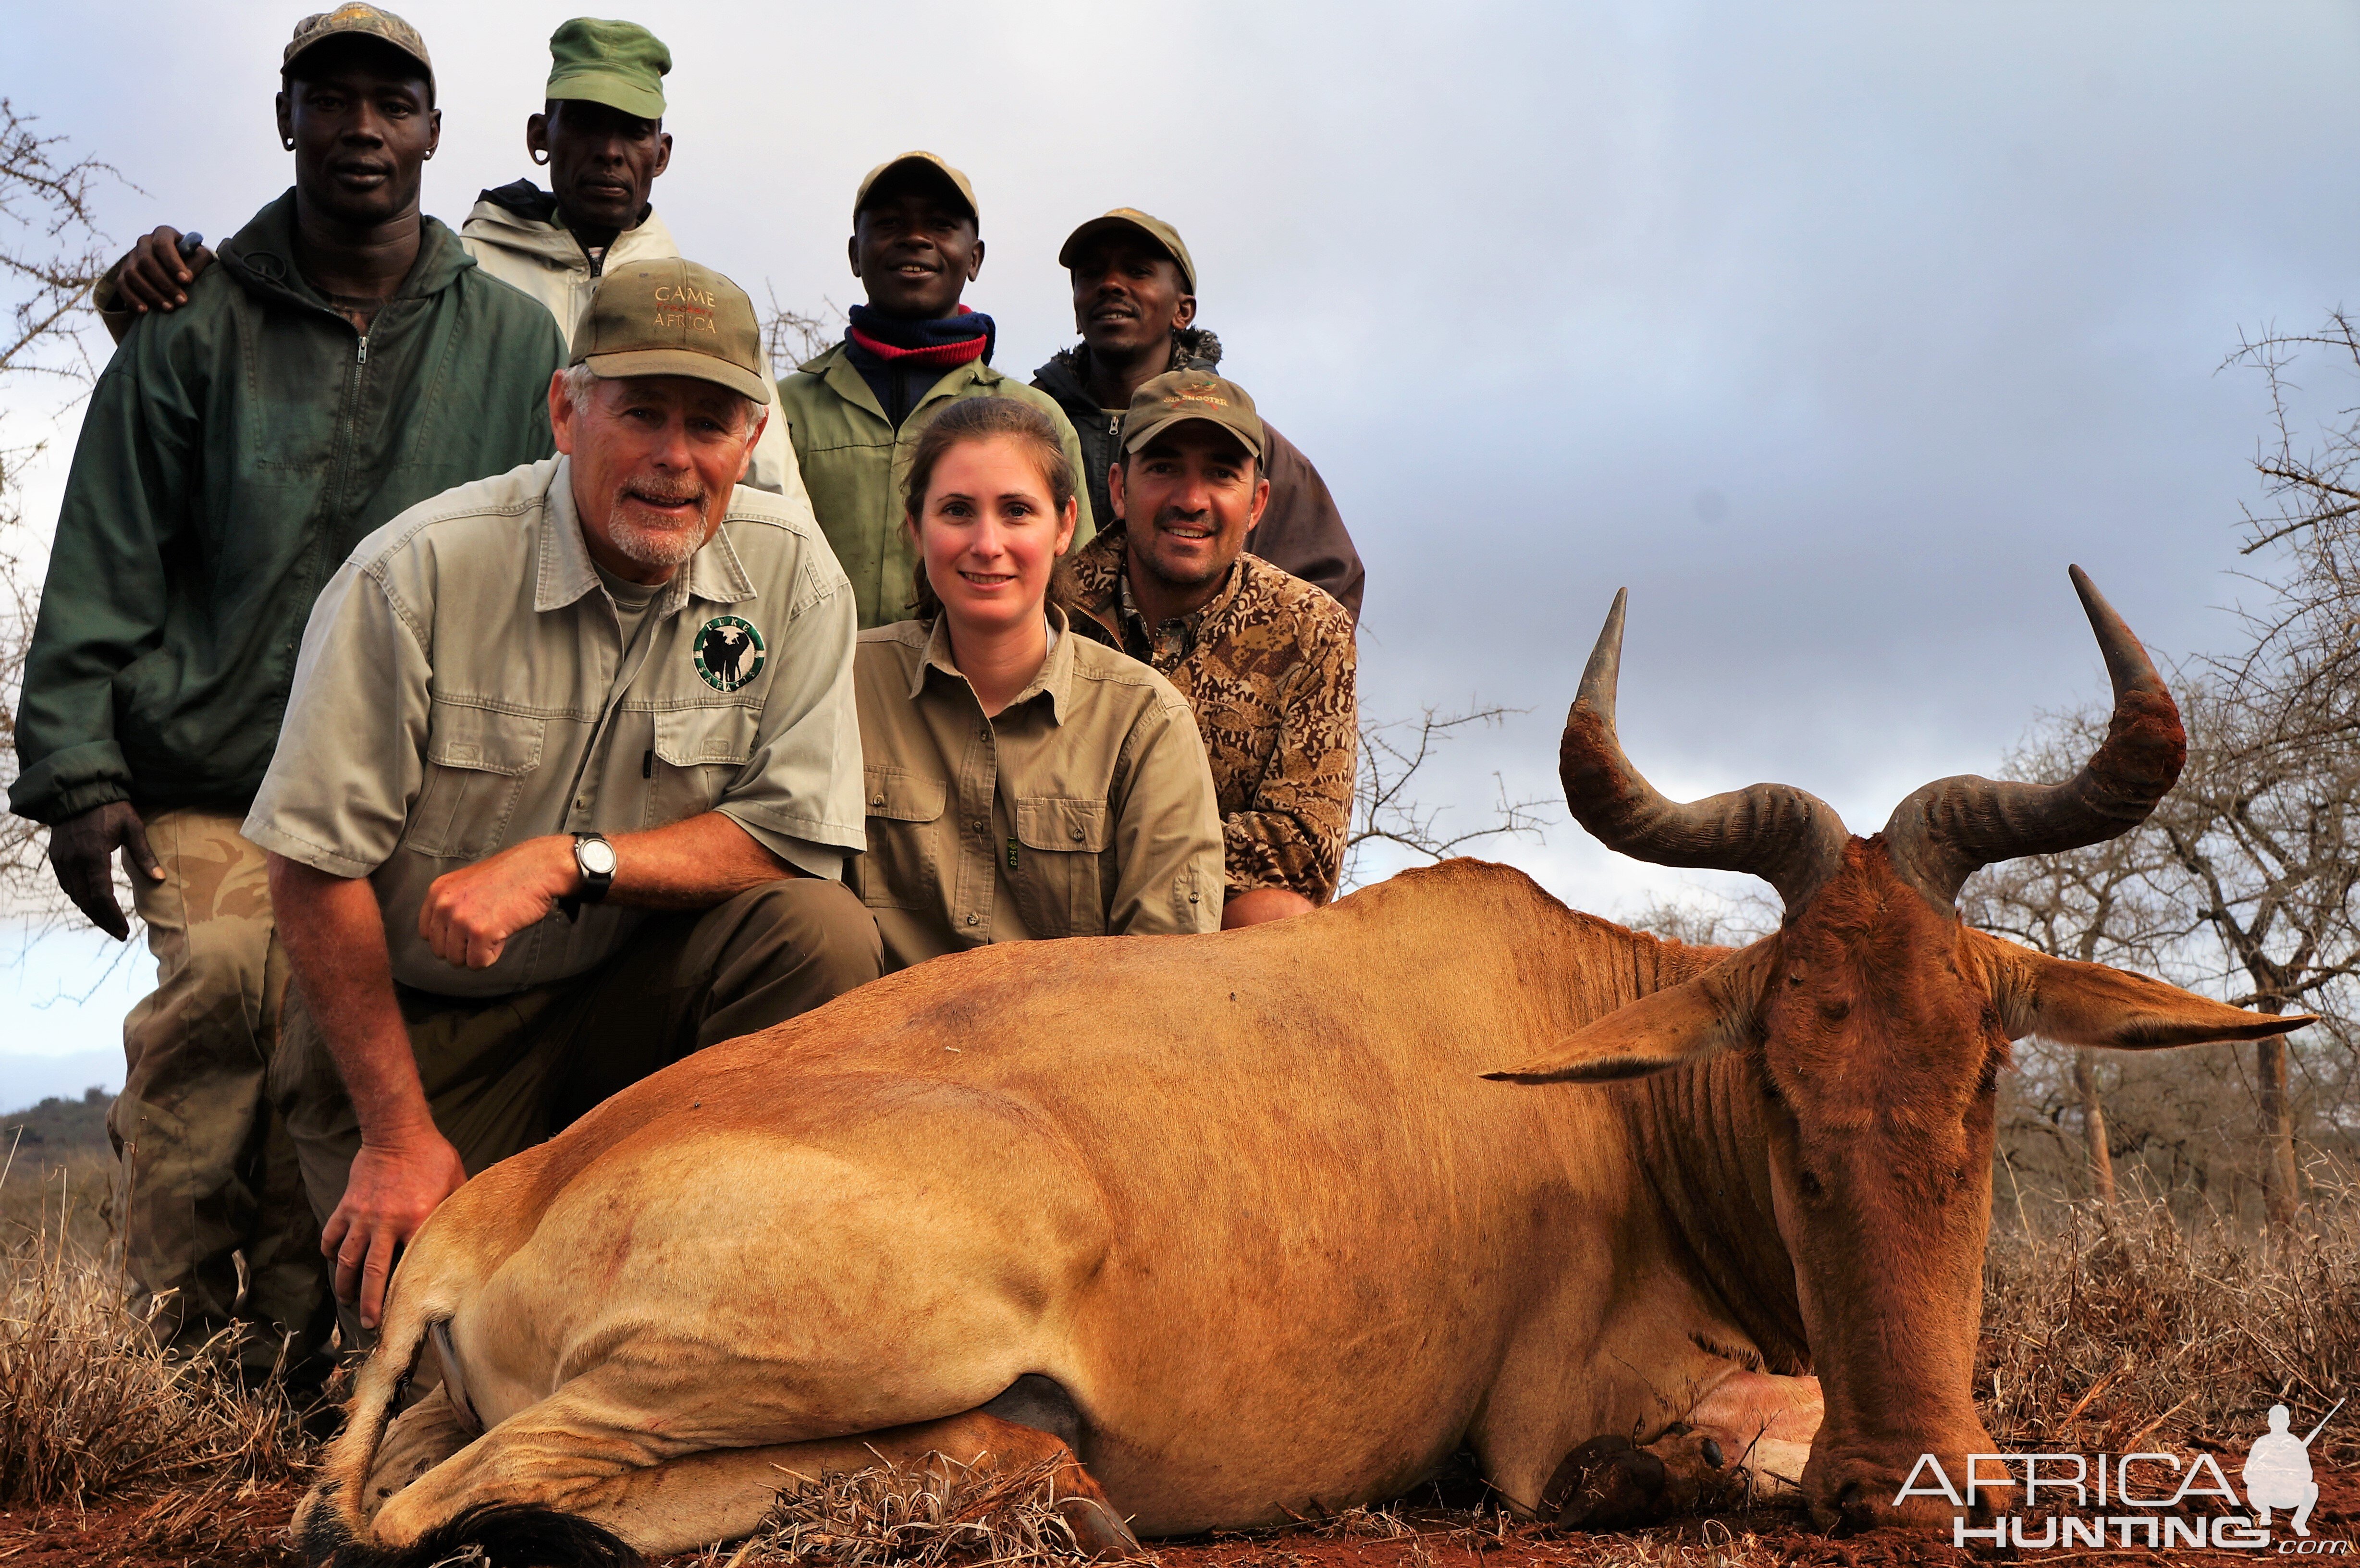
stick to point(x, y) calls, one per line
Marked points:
point(1834, 332)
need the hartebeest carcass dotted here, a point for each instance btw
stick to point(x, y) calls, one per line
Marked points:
point(1241, 1220)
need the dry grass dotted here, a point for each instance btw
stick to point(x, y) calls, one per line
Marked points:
point(2107, 1331)
point(90, 1405)
point(936, 1513)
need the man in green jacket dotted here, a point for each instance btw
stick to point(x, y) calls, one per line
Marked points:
point(344, 361)
point(854, 413)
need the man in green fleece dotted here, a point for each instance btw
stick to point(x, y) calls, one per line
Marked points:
point(855, 412)
point(344, 361)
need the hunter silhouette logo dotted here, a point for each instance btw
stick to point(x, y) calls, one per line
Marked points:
point(729, 652)
point(2278, 1471)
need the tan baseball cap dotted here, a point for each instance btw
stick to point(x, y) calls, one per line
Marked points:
point(1131, 220)
point(1179, 395)
point(366, 21)
point(673, 318)
point(926, 159)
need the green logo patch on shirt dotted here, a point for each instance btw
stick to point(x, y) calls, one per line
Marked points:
point(729, 652)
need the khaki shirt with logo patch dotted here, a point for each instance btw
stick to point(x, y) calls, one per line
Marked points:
point(463, 686)
point(1085, 809)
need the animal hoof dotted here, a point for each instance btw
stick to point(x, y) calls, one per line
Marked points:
point(1605, 1484)
point(1098, 1531)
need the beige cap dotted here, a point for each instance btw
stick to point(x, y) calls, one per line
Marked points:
point(1131, 220)
point(1179, 395)
point(930, 160)
point(673, 318)
point(365, 21)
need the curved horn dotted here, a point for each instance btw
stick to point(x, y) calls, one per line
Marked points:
point(1946, 832)
point(1791, 840)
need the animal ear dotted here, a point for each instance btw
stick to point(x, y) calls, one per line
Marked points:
point(1716, 1010)
point(2090, 1005)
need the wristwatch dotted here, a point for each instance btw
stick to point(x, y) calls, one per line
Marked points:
point(594, 857)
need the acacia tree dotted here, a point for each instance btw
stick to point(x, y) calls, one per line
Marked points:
point(49, 256)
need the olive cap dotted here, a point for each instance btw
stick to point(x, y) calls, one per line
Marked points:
point(924, 159)
point(363, 21)
point(619, 64)
point(672, 317)
point(1179, 395)
point(1131, 220)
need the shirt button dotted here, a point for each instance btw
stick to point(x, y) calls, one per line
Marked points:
point(583, 804)
point(1077, 833)
point(879, 801)
point(976, 825)
point(970, 920)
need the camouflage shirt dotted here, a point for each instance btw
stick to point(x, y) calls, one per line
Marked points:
point(1267, 665)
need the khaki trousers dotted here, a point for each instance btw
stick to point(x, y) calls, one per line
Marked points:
point(504, 1073)
point(216, 1232)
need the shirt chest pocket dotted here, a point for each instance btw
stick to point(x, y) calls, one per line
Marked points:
point(478, 765)
point(902, 867)
point(698, 752)
point(1059, 877)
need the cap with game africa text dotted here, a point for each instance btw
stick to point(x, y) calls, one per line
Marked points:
point(1132, 221)
point(619, 64)
point(357, 20)
point(926, 161)
point(673, 318)
point(1179, 395)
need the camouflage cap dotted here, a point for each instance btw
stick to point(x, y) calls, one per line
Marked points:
point(619, 64)
point(356, 19)
point(925, 160)
point(1131, 220)
point(1180, 395)
point(673, 318)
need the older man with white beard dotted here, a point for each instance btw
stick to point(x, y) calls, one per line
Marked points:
point(567, 779)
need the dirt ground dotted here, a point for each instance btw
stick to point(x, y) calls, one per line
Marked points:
point(243, 1531)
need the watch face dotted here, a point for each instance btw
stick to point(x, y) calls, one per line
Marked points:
point(595, 856)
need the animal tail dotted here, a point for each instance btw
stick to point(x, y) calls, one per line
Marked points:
point(329, 1520)
point(499, 1535)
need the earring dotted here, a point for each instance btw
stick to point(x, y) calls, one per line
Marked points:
point(540, 159)
point(289, 142)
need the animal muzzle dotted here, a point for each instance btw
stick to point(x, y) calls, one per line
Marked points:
point(1855, 1481)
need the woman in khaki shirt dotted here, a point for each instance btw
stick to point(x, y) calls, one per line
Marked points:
point(1021, 781)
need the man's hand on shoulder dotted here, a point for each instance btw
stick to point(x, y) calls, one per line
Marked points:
point(154, 276)
point(469, 914)
point(81, 853)
point(393, 1188)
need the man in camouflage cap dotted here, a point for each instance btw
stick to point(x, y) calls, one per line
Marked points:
point(344, 361)
point(1135, 305)
point(1265, 659)
point(568, 778)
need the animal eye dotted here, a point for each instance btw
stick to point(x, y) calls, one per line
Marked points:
point(1810, 1184)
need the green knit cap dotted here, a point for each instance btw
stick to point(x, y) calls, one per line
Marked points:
point(619, 64)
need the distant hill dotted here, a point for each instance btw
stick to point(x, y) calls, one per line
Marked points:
point(57, 1125)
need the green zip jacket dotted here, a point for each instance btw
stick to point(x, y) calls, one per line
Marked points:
point(234, 454)
point(855, 463)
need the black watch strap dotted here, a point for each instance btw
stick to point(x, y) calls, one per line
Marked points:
point(595, 869)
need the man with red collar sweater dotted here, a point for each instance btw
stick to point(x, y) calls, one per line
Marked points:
point(854, 413)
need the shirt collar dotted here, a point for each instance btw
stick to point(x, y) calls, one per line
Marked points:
point(565, 571)
point(1192, 626)
point(1055, 680)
